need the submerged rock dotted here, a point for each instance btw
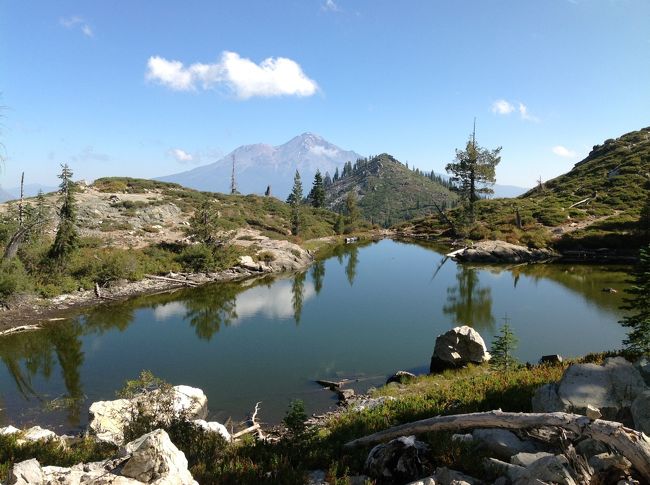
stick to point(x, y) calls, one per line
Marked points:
point(458, 347)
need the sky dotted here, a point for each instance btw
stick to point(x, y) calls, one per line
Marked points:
point(150, 88)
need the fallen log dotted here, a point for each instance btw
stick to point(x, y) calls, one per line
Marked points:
point(22, 328)
point(173, 280)
point(580, 202)
point(633, 445)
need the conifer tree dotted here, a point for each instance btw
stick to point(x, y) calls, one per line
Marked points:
point(339, 225)
point(67, 239)
point(352, 210)
point(473, 172)
point(638, 306)
point(317, 194)
point(295, 200)
point(502, 349)
point(203, 223)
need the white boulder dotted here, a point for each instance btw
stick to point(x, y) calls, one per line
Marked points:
point(458, 347)
point(214, 427)
point(108, 419)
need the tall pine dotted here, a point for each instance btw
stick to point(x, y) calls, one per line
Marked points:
point(295, 200)
point(317, 194)
point(67, 239)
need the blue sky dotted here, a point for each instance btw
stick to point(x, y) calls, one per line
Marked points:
point(150, 88)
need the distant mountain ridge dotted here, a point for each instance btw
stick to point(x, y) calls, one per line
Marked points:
point(388, 191)
point(260, 165)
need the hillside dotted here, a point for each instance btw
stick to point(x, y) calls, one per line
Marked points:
point(132, 227)
point(595, 205)
point(387, 191)
point(260, 165)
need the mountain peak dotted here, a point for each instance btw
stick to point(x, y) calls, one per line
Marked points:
point(259, 165)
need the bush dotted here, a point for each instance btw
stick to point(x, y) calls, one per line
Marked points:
point(13, 279)
point(197, 258)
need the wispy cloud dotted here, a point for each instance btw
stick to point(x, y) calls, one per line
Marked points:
point(277, 76)
point(181, 156)
point(330, 6)
point(505, 107)
point(76, 22)
point(563, 152)
point(525, 115)
point(502, 107)
point(88, 154)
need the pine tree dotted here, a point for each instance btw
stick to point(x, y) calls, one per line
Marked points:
point(336, 174)
point(502, 349)
point(339, 225)
point(295, 200)
point(638, 306)
point(317, 194)
point(67, 239)
point(473, 172)
point(352, 211)
point(203, 223)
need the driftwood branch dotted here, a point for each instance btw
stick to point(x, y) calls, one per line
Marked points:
point(254, 427)
point(22, 328)
point(174, 280)
point(633, 445)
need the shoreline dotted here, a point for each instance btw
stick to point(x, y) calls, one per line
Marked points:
point(32, 312)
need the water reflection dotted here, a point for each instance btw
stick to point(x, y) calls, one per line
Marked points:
point(210, 308)
point(317, 275)
point(29, 354)
point(298, 292)
point(351, 266)
point(469, 303)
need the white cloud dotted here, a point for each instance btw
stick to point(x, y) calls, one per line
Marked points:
point(181, 156)
point(563, 152)
point(272, 77)
point(502, 107)
point(525, 115)
point(505, 107)
point(77, 22)
point(88, 32)
point(273, 302)
point(330, 6)
point(320, 150)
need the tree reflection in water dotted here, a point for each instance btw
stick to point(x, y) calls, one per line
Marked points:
point(318, 274)
point(26, 355)
point(212, 307)
point(298, 294)
point(468, 303)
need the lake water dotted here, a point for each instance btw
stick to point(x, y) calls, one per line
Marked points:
point(363, 313)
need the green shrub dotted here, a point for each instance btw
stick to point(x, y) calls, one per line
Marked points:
point(13, 279)
point(197, 258)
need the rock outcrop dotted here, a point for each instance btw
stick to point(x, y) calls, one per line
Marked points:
point(609, 389)
point(458, 347)
point(501, 252)
point(108, 419)
point(151, 459)
point(398, 460)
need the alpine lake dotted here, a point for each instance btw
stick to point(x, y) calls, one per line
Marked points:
point(363, 313)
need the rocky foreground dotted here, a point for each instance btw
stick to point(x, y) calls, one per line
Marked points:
point(589, 427)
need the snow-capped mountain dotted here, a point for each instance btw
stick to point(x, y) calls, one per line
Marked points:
point(260, 165)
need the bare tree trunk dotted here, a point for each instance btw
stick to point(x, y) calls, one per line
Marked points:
point(20, 204)
point(633, 445)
